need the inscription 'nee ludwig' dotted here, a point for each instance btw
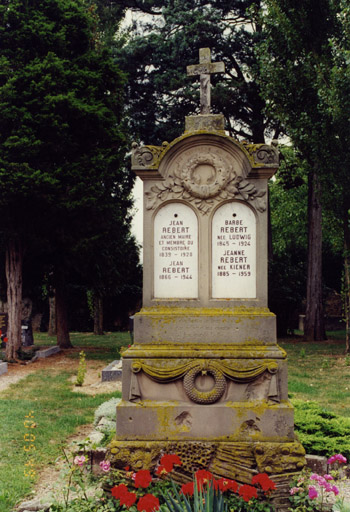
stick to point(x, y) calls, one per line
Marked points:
point(234, 252)
point(175, 252)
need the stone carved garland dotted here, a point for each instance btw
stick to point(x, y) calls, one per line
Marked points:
point(219, 370)
point(221, 182)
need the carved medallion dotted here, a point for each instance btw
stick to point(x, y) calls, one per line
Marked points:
point(205, 175)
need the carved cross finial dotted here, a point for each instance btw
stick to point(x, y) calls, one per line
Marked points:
point(204, 69)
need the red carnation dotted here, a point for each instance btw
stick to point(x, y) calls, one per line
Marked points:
point(119, 491)
point(264, 481)
point(248, 492)
point(143, 478)
point(148, 503)
point(168, 461)
point(187, 489)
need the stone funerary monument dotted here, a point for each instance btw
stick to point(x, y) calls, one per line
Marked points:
point(205, 378)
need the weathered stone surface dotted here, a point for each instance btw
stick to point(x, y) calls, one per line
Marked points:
point(3, 368)
point(249, 326)
point(209, 122)
point(34, 505)
point(246, 421)
point(47, 352)
point(112, 372)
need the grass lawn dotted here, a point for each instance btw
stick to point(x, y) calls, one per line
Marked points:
point(38, 413)
point(103, 348)
point(320, 371)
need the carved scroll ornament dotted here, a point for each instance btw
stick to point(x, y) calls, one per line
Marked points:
point(219, 370)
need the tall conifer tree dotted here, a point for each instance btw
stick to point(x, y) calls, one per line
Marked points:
point(61, 144)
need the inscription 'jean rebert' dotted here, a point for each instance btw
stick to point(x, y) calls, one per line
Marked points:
point(175, 252)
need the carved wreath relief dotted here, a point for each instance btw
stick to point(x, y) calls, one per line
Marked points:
point(220, 371)
point(204, 178)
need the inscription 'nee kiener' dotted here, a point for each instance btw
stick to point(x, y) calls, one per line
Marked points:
point(234, 252)
point(175, 252)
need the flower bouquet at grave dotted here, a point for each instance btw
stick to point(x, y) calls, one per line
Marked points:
point(314, 492)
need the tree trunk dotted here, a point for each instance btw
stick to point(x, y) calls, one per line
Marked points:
point(346, 284)
point(14, 268)
point(98, 315)
point(314, 329)
point(63, 339)
point(52, 331)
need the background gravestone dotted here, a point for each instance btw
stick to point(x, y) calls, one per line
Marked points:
point(205, 377)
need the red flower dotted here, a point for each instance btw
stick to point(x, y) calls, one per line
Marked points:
point(162, 470)
point(202, 477)
point(264, 481)
point(248, 492)
point(5, 340)
point(119, 491)
point(224, 484)
point(168, 461)
point(128, 499)
point(143, 478)
point(188, 489)
point(148, 503)
point(126, 468)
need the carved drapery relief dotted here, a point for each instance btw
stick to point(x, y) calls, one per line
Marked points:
point(205, 177)
point(220, 371)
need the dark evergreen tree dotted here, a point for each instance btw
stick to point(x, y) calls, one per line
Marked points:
point(61, 142)
point(157, 50)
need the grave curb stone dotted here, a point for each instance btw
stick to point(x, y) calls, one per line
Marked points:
point(110, 374)
point(3, 368)
point(47, 352)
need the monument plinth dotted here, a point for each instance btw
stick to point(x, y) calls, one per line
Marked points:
point(205, 377)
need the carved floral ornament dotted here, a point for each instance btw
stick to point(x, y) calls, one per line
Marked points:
point(204, 179)
point(219, 370)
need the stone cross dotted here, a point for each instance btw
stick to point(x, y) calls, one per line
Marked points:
point(204, 69)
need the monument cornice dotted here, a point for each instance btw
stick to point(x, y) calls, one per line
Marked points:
point(249, 350)
point(262, 157)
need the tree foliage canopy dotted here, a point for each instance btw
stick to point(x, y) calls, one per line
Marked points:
point(62, 139)
point(160, 95)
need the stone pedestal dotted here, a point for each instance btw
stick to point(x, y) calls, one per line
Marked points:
point(205, 377)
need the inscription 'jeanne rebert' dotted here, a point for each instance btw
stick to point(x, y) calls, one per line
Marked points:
point(234, 252)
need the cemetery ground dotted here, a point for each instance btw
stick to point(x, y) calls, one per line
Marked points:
point(46, 399)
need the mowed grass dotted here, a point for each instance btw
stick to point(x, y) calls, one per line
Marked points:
point(102, 348)
point(40, 412)
point(320, 371)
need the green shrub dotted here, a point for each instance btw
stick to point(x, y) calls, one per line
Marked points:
point(320, 431)
point(81, 369)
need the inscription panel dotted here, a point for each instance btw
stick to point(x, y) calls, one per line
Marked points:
point(176, 252)
point(234, 252)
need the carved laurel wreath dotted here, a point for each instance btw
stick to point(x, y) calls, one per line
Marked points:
point(181, 184)
point(204, 191)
